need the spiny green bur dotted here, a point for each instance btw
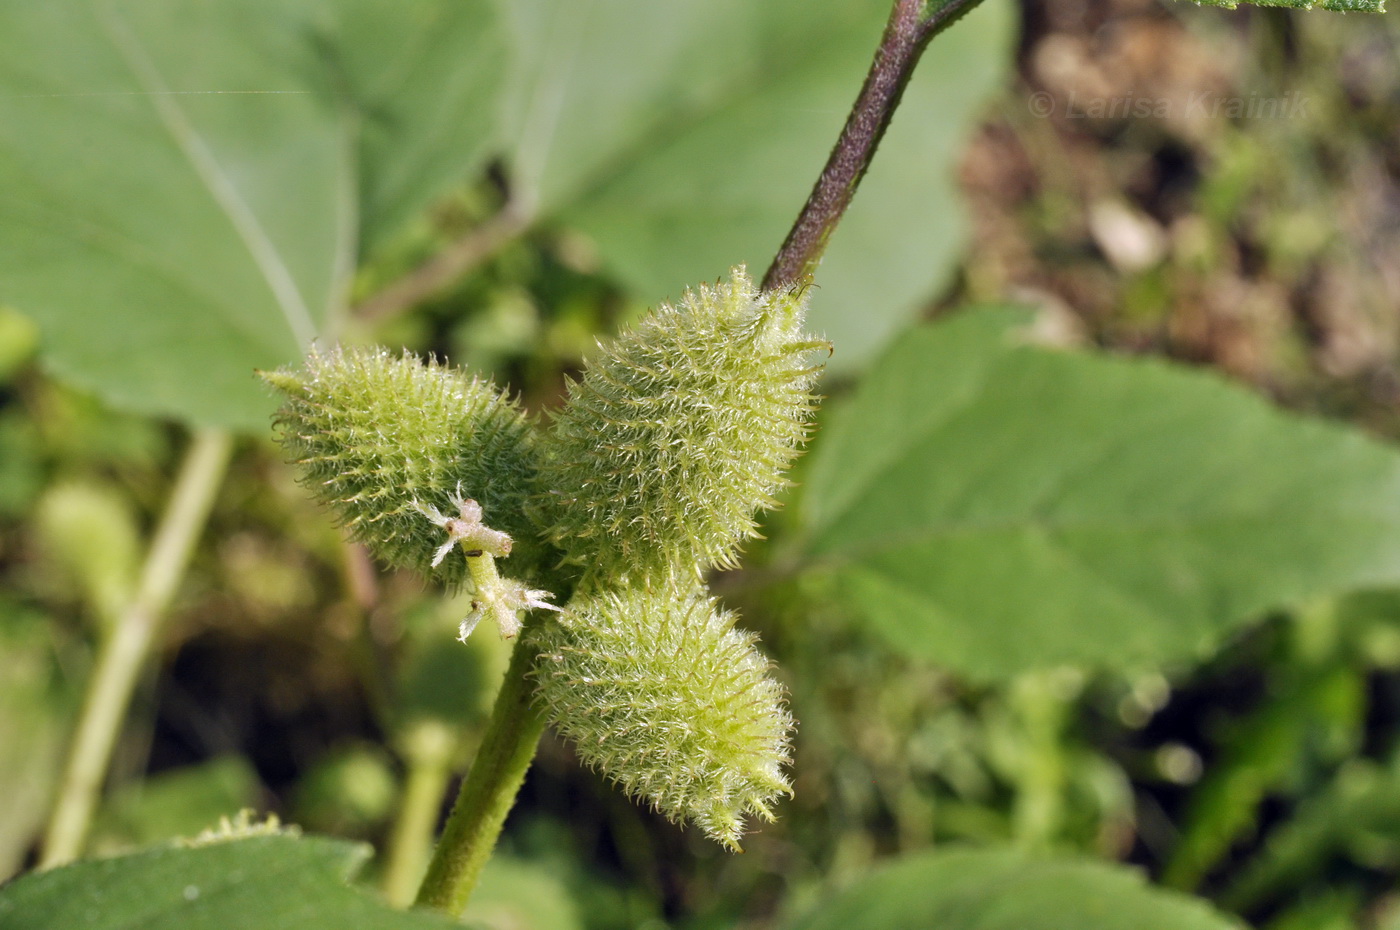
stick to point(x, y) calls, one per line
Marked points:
point(659, 692)
point(679, 432)
point(381, 437)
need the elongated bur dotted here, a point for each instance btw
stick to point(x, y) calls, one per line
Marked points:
point(659, 691)
point(679, 432)
point(387, 440)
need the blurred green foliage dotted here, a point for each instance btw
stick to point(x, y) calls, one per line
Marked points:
point(1252, 762)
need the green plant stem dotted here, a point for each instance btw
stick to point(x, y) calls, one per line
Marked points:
point(1041, 703)
point(124, 650)
point(447, 266)
point(912, 25)
point(428, 751)
point(489, 789)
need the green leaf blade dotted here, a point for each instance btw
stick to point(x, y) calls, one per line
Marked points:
point(425, 80)
point(1002, 890)
point(151, 212)
point(245, 884)
point(181, 184)
point(997, 507)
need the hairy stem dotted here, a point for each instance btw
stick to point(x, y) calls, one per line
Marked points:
point(912, 25)
point(124, 651)
point(489, 789)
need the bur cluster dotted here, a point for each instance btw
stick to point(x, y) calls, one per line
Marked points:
point(651, 472)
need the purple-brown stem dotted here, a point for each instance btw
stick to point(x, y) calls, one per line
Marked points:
point(912, 24)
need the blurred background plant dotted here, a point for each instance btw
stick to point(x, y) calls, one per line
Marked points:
point(505, 217)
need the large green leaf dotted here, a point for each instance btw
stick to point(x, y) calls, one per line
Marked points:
point(262, 883)
point(185, 186)
point(1000, 890)
point(683, 137)
point(995, 506)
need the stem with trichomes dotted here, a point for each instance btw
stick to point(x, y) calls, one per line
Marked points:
point(489, 790)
